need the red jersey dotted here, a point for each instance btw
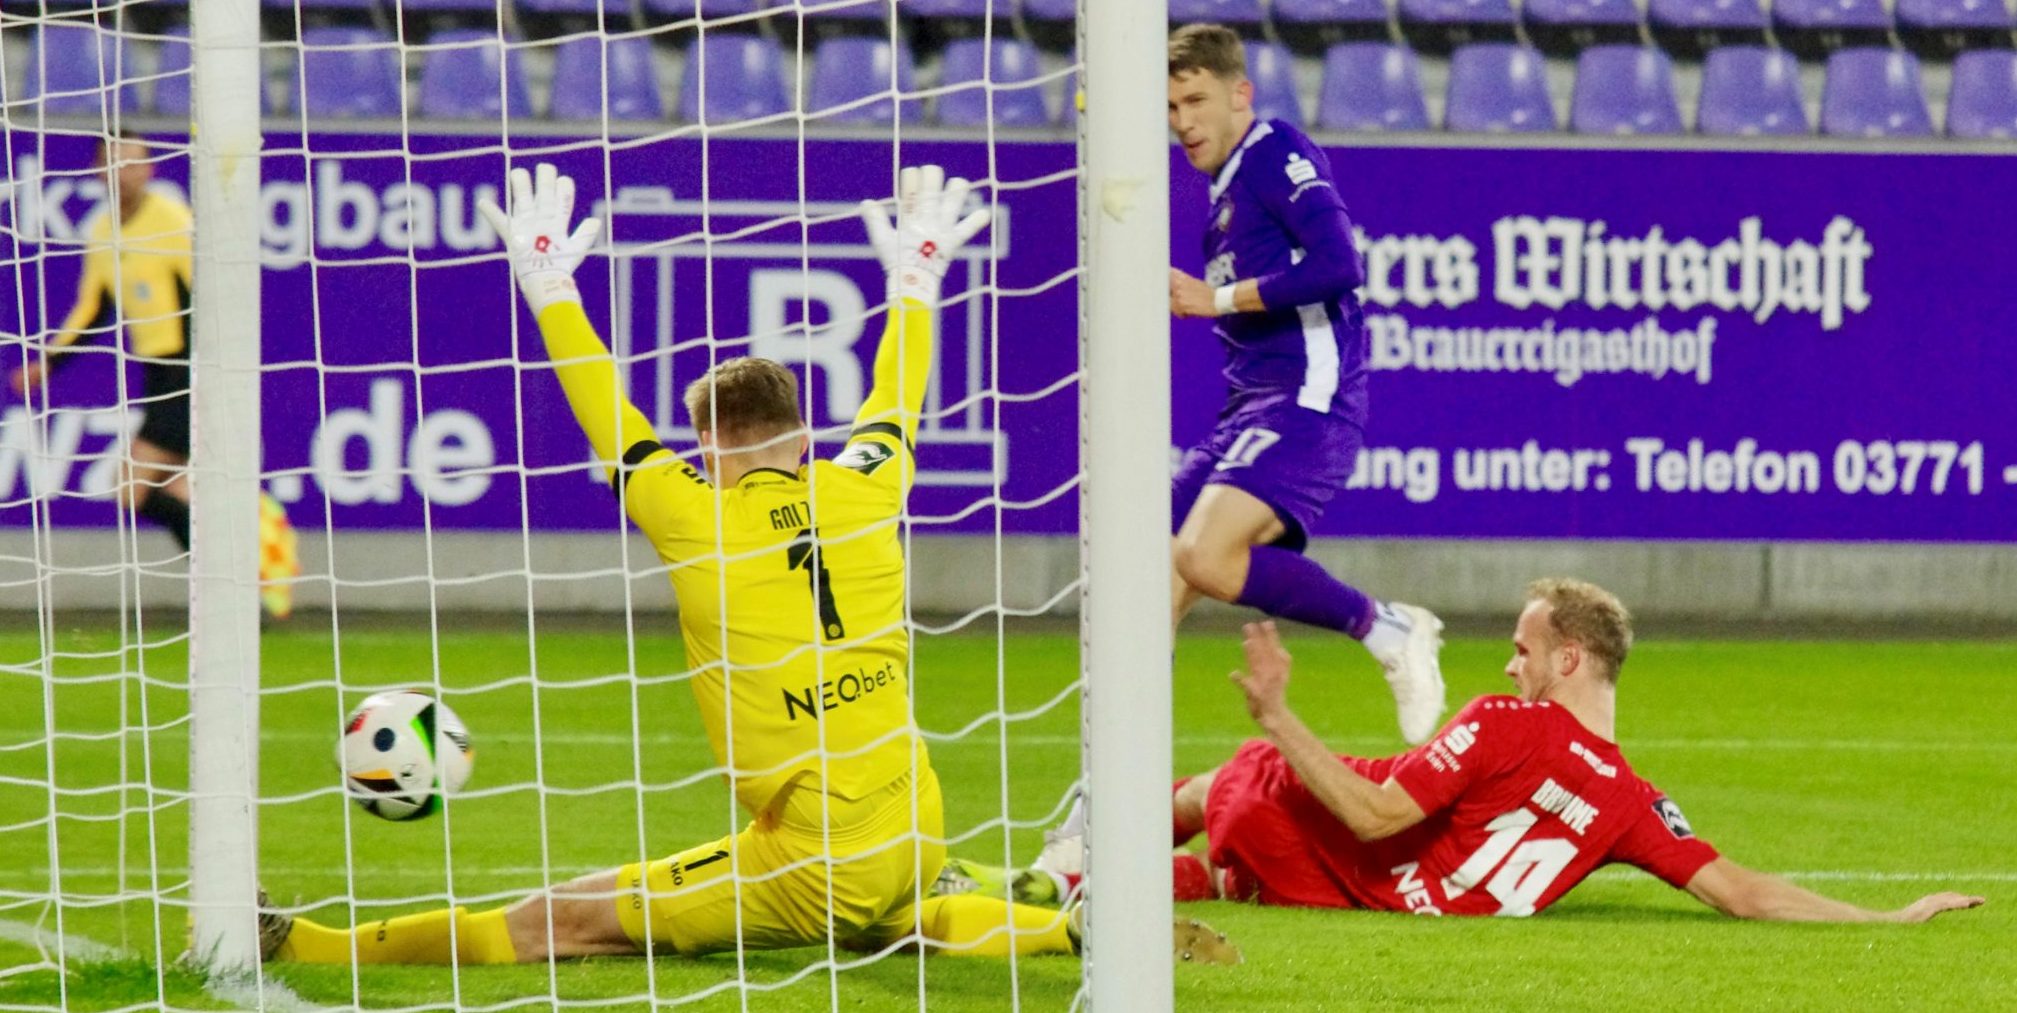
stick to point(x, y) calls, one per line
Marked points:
point(1522, 803)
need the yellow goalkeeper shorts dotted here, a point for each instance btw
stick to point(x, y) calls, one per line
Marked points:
point(772, 885)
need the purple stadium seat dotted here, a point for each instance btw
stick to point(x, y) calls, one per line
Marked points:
point(613, 12)
point(1242, 16)
point(1440, 26)
point(1984, 100)
point(1010, 62)
point(1690, 28)
point(350, 72)
point(1570, 26)
point(1273, 72)
point(1371, 86)
point(1874, 92)
point(958, 8)
point(1814, 28)
point(337, 5)
point(1311, 27)
point(745, 79)
point(578, 80)
point(449, 6)
point(171, 82)
point(1751, 91)
point(76, 66)
point(849, 69)
point(460, 81)
point(1941, 28)
point(1498, 87)
point(1624, 90)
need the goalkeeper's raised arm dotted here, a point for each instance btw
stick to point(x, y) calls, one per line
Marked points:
point(915, 252)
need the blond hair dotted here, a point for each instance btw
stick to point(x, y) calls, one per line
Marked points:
point(747, 399)
point(1214, 49)
point(1588, 615)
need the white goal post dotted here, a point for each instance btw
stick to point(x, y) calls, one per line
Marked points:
point(1125, 543)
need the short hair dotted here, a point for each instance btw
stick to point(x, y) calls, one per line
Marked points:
point(1589, 615)
point(752, 398)
point(1214, 49)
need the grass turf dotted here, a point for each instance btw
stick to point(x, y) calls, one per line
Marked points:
point(1874, 771)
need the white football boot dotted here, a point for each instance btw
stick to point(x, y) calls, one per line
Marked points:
point(1413, 670)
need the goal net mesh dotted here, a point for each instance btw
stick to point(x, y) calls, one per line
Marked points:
point(455, 534)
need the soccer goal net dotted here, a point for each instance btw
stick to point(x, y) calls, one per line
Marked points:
point(279, 438)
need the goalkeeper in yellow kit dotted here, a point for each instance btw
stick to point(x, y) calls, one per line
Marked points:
point(790, 580)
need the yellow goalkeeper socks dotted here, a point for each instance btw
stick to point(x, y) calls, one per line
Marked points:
point(970, 926)
point(410, 939)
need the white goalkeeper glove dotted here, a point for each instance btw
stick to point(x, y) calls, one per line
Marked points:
point(917, 250)
point(543, 254)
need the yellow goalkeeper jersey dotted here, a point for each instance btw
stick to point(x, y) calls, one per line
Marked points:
point(790, 584)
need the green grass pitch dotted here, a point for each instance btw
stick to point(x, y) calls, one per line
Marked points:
point(1873, 771)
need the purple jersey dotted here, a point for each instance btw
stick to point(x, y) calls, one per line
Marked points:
point(1277, 217)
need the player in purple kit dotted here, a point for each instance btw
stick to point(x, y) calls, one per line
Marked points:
point(1280, 274)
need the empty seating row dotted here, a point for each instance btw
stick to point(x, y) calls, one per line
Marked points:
point(1746, 90)
point(468, 74)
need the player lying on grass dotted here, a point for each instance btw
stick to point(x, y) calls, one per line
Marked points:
point(769, 556)
point(1516, 802)
point(1280, 278)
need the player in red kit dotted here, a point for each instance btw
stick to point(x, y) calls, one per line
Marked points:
point(1508, 808)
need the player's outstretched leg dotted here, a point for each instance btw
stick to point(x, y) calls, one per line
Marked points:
point(578, 919)
point(1224, 550)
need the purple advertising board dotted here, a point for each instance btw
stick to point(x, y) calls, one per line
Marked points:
point(1566, 343)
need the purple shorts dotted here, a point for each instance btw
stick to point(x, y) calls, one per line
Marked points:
point(1286, 456)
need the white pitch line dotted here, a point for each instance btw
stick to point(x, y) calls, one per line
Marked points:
point(1383, 743)
point(262, 993)
point(563, 873)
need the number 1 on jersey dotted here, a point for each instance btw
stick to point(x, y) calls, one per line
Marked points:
point(804, 553)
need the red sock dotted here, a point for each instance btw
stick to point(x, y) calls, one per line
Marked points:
point(1190, 879)
point(1180, 832)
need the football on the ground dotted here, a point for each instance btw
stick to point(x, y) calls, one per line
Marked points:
point(401, 753)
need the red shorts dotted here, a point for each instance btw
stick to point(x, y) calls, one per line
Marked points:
point(1257, 817)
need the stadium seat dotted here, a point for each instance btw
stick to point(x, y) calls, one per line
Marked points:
point(1751, 91)
point(849, 69)
point(1242, 16)
point(1052, 24)
point(578, 79)
point(1814, 28)
point(73, 67)
point(1010, 63)
point(1273, 72)
point(1498, 87)
point(350, 81)
point(745, 79)
point(1691, 28)
point(682, 10)
point(460, 80)
point(1624, 90)
point(1566, 27)
point(1941, 28)
point(333, 5)
point(613, 12)
point(1983, 102)
point(171, 74)
point(1874, 92)
point(1311, 27)
point(1371, 86)
point(1438, 27)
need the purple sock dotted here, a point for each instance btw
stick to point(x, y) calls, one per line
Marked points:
point(1292, 586)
